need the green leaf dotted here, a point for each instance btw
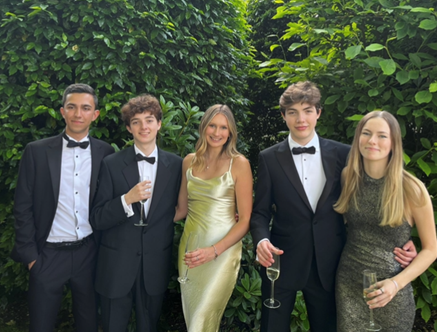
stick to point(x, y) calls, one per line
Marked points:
point(295, 46)
point(426, 313)
point(403, 110)
point(374, 47)
point(433, 87)
point(428, 24)
point(425, 143)
point(430, 115)
point(373, 61)
point(423, 97)
point(425, 169)
point(352, 51)
point(373, 92)
point(388, 66)
point(420, 10)
point(402, 77)
point(397, 94)
point(406, 158)
point(356, 117)
point(332, 99)
point(87, 65)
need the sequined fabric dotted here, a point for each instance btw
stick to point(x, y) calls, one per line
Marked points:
point(370, 246)
point(211, 212)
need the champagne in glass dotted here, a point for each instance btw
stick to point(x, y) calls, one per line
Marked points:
point(142, 202)
point(369, 286)
point(273, 274)
point(191, 245)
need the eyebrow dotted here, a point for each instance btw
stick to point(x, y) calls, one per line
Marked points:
point(379, 132)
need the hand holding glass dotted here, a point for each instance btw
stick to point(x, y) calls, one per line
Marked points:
point(273, 274)
point(369, 281)
point(191, 245)
point(142, 223)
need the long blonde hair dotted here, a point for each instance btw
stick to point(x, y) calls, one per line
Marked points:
point(401, 190)
point(229, 148)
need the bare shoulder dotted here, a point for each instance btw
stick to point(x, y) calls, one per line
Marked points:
point(241, 166)
point(187, 161)
point(241, 161)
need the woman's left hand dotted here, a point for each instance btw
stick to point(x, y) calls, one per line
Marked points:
point(386, 291)
point(199, 256)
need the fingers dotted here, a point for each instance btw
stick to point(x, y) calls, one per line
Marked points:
point(385, 292)
point(404, 257)
point(199, 256)
point(30, 265)
point(264, 253)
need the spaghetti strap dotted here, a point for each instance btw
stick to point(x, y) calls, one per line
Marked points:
point(230, 164)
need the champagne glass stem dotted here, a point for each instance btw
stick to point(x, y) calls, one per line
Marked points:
point(272, 295)
point(142, 212)
point(372, 323)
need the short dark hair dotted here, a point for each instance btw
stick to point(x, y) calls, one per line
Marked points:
point(141, 104)
point(80, 88)
point(300, 92)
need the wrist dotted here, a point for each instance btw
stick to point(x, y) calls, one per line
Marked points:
point(215, 252)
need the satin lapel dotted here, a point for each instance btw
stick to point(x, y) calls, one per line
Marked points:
point(131, 173)
point(96, 158)
point(54, 160)
point(329, 162)
point(162, 177)
point(285, 159)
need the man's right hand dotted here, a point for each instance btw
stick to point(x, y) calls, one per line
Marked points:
point(30, 265)
point(139, 192)
point(264, 251)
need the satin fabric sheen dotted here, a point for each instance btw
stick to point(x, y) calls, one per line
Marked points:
point(211, 213)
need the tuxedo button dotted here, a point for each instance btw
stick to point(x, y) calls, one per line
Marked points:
point(139, 253)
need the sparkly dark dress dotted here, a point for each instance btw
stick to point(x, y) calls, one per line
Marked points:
point(370, 246)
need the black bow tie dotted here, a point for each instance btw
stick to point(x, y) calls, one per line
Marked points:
point(73, 144)
point(299, 150)
point(150, 160)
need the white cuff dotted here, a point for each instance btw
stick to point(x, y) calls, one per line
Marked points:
point(128, 208)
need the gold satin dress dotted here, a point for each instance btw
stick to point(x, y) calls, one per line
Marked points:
point(211, 213)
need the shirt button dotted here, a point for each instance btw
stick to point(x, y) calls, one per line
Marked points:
point(76, 192)
point(76, 211)
point(77, 174)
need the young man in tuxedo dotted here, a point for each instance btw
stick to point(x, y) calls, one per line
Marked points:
point(299, 180)
point(56, 183)
point(133, 265)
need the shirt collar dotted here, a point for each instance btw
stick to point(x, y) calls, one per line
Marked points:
point(153, 154)
point(314, 142)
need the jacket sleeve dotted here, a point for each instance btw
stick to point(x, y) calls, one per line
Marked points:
point(25, 248)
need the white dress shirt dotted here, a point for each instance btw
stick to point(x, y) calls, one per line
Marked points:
point(310, 170)
point(144, 168)
point(71, 222)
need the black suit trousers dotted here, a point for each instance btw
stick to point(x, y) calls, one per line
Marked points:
point(52, 270)
point(320, 305)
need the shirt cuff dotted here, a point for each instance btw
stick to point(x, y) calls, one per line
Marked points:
point(128, 208)
point(262, 240)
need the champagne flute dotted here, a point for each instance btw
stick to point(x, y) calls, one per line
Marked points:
point(369, 286)
point(142, 202)
point(191, 245)
point(273, 274)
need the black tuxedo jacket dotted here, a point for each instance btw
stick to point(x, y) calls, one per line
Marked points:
point(123, 246)
point(296, 229)
point(37, 192)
